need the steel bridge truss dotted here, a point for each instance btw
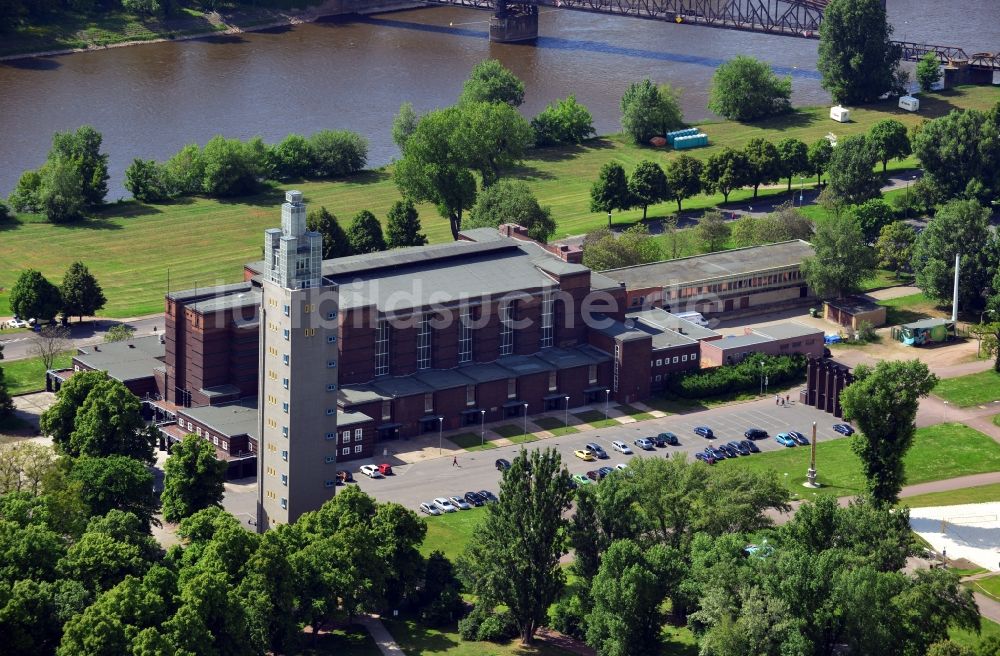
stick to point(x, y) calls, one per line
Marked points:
point(950, 55)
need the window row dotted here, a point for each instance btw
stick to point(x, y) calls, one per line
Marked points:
point(659, 362)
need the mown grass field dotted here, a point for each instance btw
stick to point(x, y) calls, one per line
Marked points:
point(979, 494)
point(938, 452)
point(970, 390)
point(28, 375)
point(134, 248)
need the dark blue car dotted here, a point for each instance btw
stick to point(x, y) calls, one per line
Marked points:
point(751, 447)
point(706, 458)
point(704, 431)
point(799, 438)
point(843, 429)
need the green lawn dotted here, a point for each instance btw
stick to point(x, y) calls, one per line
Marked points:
point(417, 640)
point(211, 240)
point(973, 389)
point(555, 426)
point(979, 494)
point(28, 375)
point(971, 639)
point(472, 442)
point(939, 452)
point(913, 307)
point(634, 413)
point(353, 640)
point(595, 418)
point(449, 533)
point(989, 586)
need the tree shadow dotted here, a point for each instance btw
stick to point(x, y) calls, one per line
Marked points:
point(127, 209)
point(563, 153)
point(793, 119)
point(33, 63)
point(222, 39)
point(277, 29)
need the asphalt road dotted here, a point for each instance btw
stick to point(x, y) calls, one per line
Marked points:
point(17, 346)
point(422, 481)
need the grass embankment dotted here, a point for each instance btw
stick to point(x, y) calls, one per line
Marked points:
point(989, 586)
point(938, 452)
point(979, 494)
point(970, 390)
point(210, 240)
point(24, 376)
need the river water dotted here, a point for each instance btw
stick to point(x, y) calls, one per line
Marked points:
point(150, 100)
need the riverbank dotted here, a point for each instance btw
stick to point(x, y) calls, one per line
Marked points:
point(210, 239)
point(80, 33)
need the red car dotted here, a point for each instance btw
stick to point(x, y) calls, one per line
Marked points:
point(385, 469)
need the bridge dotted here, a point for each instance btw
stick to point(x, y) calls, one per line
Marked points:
point(517, 20)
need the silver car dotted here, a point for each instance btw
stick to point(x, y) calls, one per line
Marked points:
point(429, 508)
point(460, 503)
point(444, 505)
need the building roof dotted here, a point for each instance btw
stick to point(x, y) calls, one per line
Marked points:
point(713, 266)
point(580, 356)
point(787, 330)
point(481, 234)
point(619, 331)
point(662, 319)
point(738, 341)
point(235, 419)
point(351, 418)
point(240, 299)
point(524, 365)
point(210, 291)
point(358, 394)
point(854, 304)
point(442, 378)
point(927, 323)
point(130, 359)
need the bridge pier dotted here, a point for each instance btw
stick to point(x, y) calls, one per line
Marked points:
point(961, 72)
point(513, 26)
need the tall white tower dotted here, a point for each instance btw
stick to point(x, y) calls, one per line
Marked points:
point(297, 409)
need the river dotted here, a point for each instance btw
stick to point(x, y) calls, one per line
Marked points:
point(150, 100)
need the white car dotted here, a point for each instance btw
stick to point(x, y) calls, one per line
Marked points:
point(444, 505)
point(460, 503)
point(19, 323)
point(429, 508)
point(371, 471)
point(621, 466)
point(621, 447)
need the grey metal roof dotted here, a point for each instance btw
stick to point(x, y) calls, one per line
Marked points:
point(787, 330)
point(484, 373)
point(131, 359)
point(738, 341)
point(713, 266)
point(622, 332)
point(481, 234)
point(351, 418)
point(236, 419)
point(206, 292)
point(241, 299)
point(854, 304)
point(523, 365)
point(927, 323)
point(566, 358)
point(662, 319)
point(599, 281)
point(441, 379)
point(356, 394)
point(400, 386)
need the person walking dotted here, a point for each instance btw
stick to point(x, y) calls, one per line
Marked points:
point(454, 461)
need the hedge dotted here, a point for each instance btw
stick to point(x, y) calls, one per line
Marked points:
point(741, 377)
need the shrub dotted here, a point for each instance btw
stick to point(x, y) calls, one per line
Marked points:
point(232, 167)
point(563, 122)
point(293, 157)
point(569, 616)
point(744, 89)
point(25, 197)
point(740, 377)
point(497, 627)
point(5, 212)
point(147, 181)
point(338, 152)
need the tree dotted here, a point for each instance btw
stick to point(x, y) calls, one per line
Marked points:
point(232, 167)
point(889, 140)
point(26, 194)
point(763, 163)
point(745, 88)
point(439, 600)
point(338, 153)
point(724, 171)
point(185, 171)
point(335, 241)
point(147, 181)
point(293, 157)
point(34, 297)
point(109, 422)
point(873, 215)
point(59, 420)
point(649, 111)
point(115, 483)
point(511, 201)
point(24, 466)
point(81, 293)
point(491, 82)
point(143, 7)
point(610, 191)
point(434, 169)
point(794, 157)
point(119, 332)
point(959, 154)
point(403, 125)
point(683, 178)
point(491, 137)
point(563, 122)
point(883, 402)
point(49, 343)
point(403, 225)
point(60, 196)
point(842, 261)
point(852, 170)
point(6, 402)
point(960, 227)
point(82, 149)
point(895, 246)
point(365, 234)
point(193, 479)
point(713, 231)
point(647, 185)
point(514, 553)
point(602, 250)
point(928, 71)
point(857, 57)
point(820, 153)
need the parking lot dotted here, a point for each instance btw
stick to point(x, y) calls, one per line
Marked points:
point(412, 484)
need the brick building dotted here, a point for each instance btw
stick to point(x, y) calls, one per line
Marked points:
point(778, 339)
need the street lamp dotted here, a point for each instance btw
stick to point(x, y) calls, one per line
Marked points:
point(482, 428)
point(607, 402)
point(802, 191)
point(609, 219)
point(566, 422)
point(440, 430)
point(946, 412)
point(525, 421)
point(762, 379)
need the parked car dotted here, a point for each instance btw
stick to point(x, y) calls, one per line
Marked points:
point(729, 451)
point(751, 447)
point(594, 475)
point(784, 439)
point(429, 508)
point(460, 503)
point(621, 447)
point(755, 434)
point(657, 441)
point(19, 323)
point(474, 499)
point(644, 443)
point(584, 454)
point(488, 496)
point(738, 447)
point(704, 431)
point(604, 471)
point(385, 469)
point(716, 453)
point(597, 450)
point(843, 429)
point(799, 438)
point(580, 479)
point(706, 458)
point(445, 505)
point(670, 439)
point(502, 465)
point(371, 471)
point(344, 476)
point(621, 466)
